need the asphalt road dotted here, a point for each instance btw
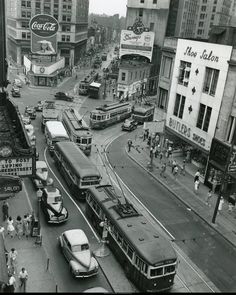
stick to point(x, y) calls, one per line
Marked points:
point(208, 250)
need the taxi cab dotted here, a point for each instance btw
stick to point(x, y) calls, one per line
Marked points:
point(76, 249)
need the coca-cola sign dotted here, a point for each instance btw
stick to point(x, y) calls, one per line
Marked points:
point(44, 25)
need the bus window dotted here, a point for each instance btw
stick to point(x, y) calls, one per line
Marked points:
point(84, 140)
point(156, 272)
point(90, 140)
point(130, 252)
point(169, 269)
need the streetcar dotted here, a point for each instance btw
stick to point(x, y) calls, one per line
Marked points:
point(144, 113)
point(84, 84)
point(77, 129)
point(149, 260)
point(109, 114)
point(78, 171)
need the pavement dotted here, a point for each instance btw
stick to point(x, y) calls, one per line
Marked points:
point(183, 187)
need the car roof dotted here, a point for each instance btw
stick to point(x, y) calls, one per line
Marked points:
point(41, 164)
point(96, 290)
point(76, 237)
point(54, 191)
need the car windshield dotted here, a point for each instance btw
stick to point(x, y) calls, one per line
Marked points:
point(54, 199)
point(79, 248)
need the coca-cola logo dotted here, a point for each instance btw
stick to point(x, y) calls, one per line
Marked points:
point(44, 25)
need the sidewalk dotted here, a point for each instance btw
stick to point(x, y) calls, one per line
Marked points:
point(183, 188)
point(30, 255)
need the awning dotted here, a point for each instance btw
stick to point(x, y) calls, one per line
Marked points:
point(217, 30)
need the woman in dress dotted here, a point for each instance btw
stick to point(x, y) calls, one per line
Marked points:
point(19, 227)
point(10, 227)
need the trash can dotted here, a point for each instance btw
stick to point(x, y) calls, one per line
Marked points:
point(35, 229)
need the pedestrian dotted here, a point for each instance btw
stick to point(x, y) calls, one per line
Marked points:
point(209, 195)
point(10, 227)
point(230, 207)
point(214, 184)
point(196, 186)
point(220, 204)
point(12, 260)
point(163, 170)
point(144, 136)
point(169, 151)
point(11, 285)
point(175, 171)
point(19, 227)
point(161, 156)
point(129, 144)
point(196, 176)
point(30, 219)
point(2, 229)
point(23, 276)
point(173, 166)
point(5, 210)
point(183, 168)
point(26, 226)
point(188, 156)
point(151, 152)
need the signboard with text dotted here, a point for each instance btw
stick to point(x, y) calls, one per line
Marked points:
point(43, 29)
point(131, 43)
point(21, 166)
point(10, 184)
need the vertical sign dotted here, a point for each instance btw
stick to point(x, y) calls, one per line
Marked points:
point(44, 29)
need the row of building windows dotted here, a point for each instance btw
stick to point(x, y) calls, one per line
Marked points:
point(153, 1)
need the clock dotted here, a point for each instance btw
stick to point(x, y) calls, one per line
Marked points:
point(138, 27)
point(42, 70)
point(5, 151)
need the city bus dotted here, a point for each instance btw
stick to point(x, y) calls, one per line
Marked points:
point(94, 90)
point(78, 171)
point(54, 132)
point(84, 84)
point(109, 114)
point(144, 113)
point(77, 129)
point(148, 258)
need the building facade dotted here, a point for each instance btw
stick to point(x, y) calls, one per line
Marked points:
point(72, 16)
point(195, 98)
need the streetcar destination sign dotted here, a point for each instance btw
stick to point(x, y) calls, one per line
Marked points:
point(21, 166)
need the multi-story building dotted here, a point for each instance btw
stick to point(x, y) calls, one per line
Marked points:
point(72, 16)
point(154, 15)
point(195, 18)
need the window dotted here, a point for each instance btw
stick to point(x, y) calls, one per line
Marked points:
point(200, 24)
point(154, 2)
point(179, 106)
point(184, 72)
point(214, 9)
point(141, 1)
point(122, 76)
point(212, 17)
point(140, 12)
point(23, 35)
point(166, 66)
point(65, 38)
point(231, 132)
point(210, 81)
point(204, 117)
point(65, 28)
point(37, 4)
point(68, 38)
point(204, 1)
point(199, 32)
point(203, 8)
point(156, 272)
point(162, 100)
point(28, 4)
point(202, 16)
point(23, 3)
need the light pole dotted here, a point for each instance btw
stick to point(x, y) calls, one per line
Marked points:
point(39, 196)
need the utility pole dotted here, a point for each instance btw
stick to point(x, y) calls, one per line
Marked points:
point(223, 183)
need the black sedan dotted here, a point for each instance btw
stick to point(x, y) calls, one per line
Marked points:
point(129, 125)
point(31, 112)
point(52, 205)
point(15, 91)
point(64, 96)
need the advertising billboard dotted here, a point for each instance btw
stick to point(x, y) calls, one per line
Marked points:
point(133, 43)
point(43, 29)
point(20, 166)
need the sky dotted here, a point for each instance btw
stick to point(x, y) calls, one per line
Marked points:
point(109, 7)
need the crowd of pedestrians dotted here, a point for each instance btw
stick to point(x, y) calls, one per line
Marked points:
point(14, 227)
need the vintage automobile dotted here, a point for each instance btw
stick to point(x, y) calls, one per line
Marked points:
point(15, 91)
point(41, 180)
point(52, 205)
point(129, 125)
point(31, 111)
point(17, 83)
point(39, 106)
point(63, 96)
point(26, 119)
point(76, 249)
point(30, 131)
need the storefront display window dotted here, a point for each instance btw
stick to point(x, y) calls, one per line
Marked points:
point(42, 81)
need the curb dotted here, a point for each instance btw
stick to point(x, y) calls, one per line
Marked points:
point(179, 198)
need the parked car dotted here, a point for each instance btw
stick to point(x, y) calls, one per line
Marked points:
point(129, 125)
point(64, 96)
point(52, 205)
point(15, 91)
point(31, 111)
point(17, 83)
point(41, 180)
point(76, 249)
point(26, 119)
point(39, 106)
